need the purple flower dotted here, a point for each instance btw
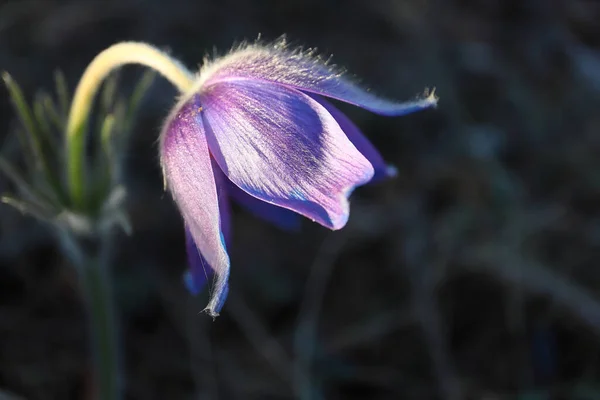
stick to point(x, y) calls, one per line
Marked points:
point(256, 128)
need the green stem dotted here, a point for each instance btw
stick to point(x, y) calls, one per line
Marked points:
point(91, 260)
point(100, 67)
point(100, 304)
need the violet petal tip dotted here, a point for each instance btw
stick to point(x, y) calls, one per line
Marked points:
point(391, 171)
point(218, 297)
point(211, 313)
point(431, 100)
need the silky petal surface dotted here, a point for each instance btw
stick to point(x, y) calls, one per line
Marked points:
point(303, 71)
point(188, 172)
point(359, 140)
point(200, 271)
point(281, 146)
point(281, 217)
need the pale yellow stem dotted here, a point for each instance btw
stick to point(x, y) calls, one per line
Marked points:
point(100, 67)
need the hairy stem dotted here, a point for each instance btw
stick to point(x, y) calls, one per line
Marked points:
point(100, 67)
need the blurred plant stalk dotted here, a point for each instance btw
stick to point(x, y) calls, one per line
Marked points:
point(75, 187)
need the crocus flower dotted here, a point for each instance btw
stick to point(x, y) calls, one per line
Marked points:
point(256, 128)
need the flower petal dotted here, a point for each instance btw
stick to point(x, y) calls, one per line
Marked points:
point(200, 271)
point(187, 169)
point(278, 216)
point(197, 275)
point(305, 72)
point(382, 170)
point(281, 146)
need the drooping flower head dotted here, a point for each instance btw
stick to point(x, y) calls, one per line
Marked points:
point(256, 128)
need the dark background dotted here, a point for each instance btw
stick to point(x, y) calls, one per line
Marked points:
point(472, 275)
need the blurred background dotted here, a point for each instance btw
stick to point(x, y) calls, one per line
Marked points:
point(472, 275)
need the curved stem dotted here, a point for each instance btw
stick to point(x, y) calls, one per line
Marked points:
point(100, 67)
